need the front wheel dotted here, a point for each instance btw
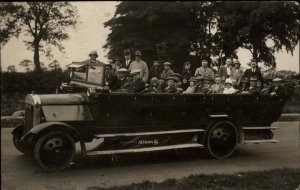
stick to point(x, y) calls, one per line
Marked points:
point(54, 151)
point(222, 140)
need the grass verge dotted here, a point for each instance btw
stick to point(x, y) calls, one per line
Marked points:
point(287, 178)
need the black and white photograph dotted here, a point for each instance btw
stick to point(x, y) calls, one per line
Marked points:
point(150, 95)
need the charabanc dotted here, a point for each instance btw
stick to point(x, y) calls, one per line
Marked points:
point(128, 123)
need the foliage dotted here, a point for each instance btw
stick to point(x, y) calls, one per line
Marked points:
point(180, 31)
point(11, 69)
point(9, 22)
point(26, 63)
point(46, 23)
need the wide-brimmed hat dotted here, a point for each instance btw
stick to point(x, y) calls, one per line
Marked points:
point(154, 79)
point(138, 53)
point(253, 79)
point(277, 80)
point(228, 80)
point(94, 52)
point(122, 70)
point(199, 78)
point(135, 71)
point(172, 78)
point(187, 63)
point(167, 63)
point(155, 63)
point(192, 79)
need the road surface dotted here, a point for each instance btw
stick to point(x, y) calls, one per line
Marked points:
point(19, 172)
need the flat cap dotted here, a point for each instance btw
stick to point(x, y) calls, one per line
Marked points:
point(167, 63)
point(172, 78)
point(135, 71)
point(122, 70)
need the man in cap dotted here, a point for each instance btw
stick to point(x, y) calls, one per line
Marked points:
point(110, 79)
point(225, 70)
point(276, 89)
point(199, 84)
point(127, 59)
point(139, 64)
point(171, 88)
point(218, 87)
point(206, 86)
point(138, 83)
point(205, 71)
point(254, 71)
point(192, 87)
point(167, 72)
point(237, 72)
point(244, 86)
point(266, 85)
point(178, 82)
point(253, 89)
point(155, 70)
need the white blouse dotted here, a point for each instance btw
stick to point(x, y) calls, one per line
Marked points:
point(230, 90)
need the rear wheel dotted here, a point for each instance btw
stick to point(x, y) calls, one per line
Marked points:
point(222, 140)
point(54, 151)
point(17, 135)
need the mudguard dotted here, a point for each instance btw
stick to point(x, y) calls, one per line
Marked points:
point(39, 129)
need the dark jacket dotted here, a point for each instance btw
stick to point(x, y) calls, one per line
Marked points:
point(124, 63)
point(186, 74)
point(279, 91)
point(172, 89)
point(248, 74)
point(154, 73)
point(254, 90)
point(112, 82)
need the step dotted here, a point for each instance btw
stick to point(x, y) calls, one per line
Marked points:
point(148, 149)
point(149, 133)
point(254, 128)
point(261, 141)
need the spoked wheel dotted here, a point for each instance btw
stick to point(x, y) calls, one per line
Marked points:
point(54, 151)
point(17, 135)
point(222, 140)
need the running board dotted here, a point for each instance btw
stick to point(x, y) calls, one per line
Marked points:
point(148, 133)
point(149, 149)
point(261, 141)
point(255, 128)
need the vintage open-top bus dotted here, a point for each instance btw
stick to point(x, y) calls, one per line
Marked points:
point(128, 122)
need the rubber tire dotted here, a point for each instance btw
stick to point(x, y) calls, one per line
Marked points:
point(25, 149)
point(42, 140)
point(207, 142)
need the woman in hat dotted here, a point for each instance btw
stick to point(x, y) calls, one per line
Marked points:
point(167, 72)
point(237, 72)
point(139, 64)
point(228, 87)
point(192, 88)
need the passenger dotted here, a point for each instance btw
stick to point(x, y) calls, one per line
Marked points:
point(207, 85)
point(171, 88)
point(228, 87)
point(155, 70)
point(258, 85)
point(192, 88)
point(234, 84)
point(167, 72)
point(217, 88)
point(199, 84)
point(110, 79)
point(128, 85)
point(265, 89)
point(226, 70)
point(139, 64)
point(161, 85)
point(244, 88)
point(154, 86)
point(204, 70)
point(116, 66)
point(138, 84)
point(254, 71)
point(237, 72)
point(127, 59)
point(178, 82)
point(253, 89)
point(187, 73)
point(185, 84)
point(93, 56)
point(122, 77)
point(276, 89)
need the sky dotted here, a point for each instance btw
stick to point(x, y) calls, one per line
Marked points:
point(91, 35)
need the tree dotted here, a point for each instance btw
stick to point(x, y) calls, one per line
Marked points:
point(46, 23)
point(54, 65)
point(26, 63)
